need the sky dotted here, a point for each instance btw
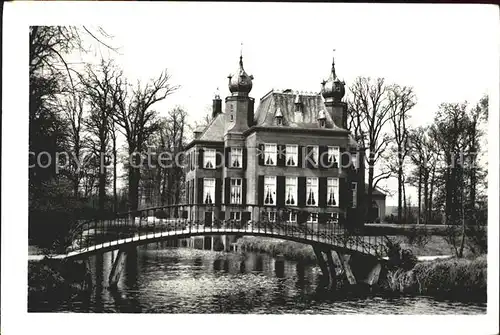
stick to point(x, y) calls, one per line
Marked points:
point(444, 52)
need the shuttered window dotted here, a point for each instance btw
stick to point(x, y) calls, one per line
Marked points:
point(236, 191)
point(291, 191)
point(312, 192)
point(333, 192)
point(209, 159)
point(333, 156)
point(236, 157)
point(270, 154)
point(312, 218)
point(292, 155)
point(354, 160)
point(208, 190)
point(269, 190)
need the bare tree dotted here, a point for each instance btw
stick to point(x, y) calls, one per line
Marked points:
point(73, 109)
point(137, 122)
point(369, 112)
point(401, 101)
point(99, 88)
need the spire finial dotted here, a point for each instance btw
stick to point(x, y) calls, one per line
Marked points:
point(217, 94)
point(333, 66)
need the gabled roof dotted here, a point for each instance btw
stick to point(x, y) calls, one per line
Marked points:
point(214, 131)
point(311, 105)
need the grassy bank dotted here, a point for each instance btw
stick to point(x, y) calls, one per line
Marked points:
point(289, 249)
point(456, 278)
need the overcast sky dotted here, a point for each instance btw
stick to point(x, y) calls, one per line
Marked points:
point(444, 51)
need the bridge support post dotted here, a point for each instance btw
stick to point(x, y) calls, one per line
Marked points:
point(322, 264)
point(332, 270)
point(345, 261)
point(117, 268)
point(374, 274)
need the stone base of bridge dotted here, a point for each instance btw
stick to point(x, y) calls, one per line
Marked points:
point(354, 269)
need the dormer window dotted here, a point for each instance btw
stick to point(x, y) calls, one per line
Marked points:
point(322, 119)
point(279, 117)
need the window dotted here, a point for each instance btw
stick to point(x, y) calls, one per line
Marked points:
point(322, 123)
point(236, 157)
point(235, 195)
point(291, 191)
point(333, 192)
point(279, 121)
point(354, 159)
point(312, 192)
point(312, 218)
point(208, 190)
point(270, 154)
point(334, 217)
point(313, 153)
point(333, 156)
point(209, 159)
point(269, 190)
point(291, 217)
point(292, 155)
point(232, 117)
point(354, 194)
point(269, 216)
point(235, 216)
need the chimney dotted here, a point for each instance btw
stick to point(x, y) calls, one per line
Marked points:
point(216, 104)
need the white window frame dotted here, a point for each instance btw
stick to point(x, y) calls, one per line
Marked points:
point(236, 216)
point(209, 156)
point(334, 217)
point(291, 191)
point(292, 152)
point(354, 188)
point(332, 187)
point(312, 186)
point(209, 190)
point(270, 216)
point(270, 154)
point(333, 153)
point(237, 156)
point(312, 217)
point(236, 188)
point(291, 217)
point(269, 190)
point(354, 160)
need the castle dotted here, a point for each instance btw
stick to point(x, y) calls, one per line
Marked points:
point(291, 159)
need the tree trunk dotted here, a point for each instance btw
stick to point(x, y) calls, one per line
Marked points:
point(462, 242)
point(371, 163)
point(433, 180)
point(400, 183)
point(115, 195)
point(419, 194)
point(426, 195)
point(404, 205)
point(102, 182)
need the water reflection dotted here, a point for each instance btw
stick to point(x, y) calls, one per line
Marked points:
point(162, 278)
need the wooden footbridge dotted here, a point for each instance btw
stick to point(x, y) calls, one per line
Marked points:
point(334, 242)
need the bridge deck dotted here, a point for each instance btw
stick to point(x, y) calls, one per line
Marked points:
point(310, 237)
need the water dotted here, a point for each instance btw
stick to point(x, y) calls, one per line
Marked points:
point(162, 279)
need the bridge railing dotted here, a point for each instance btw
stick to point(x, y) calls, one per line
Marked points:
point(184, 220)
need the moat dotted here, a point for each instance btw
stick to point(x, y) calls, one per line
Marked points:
point(160, 278)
